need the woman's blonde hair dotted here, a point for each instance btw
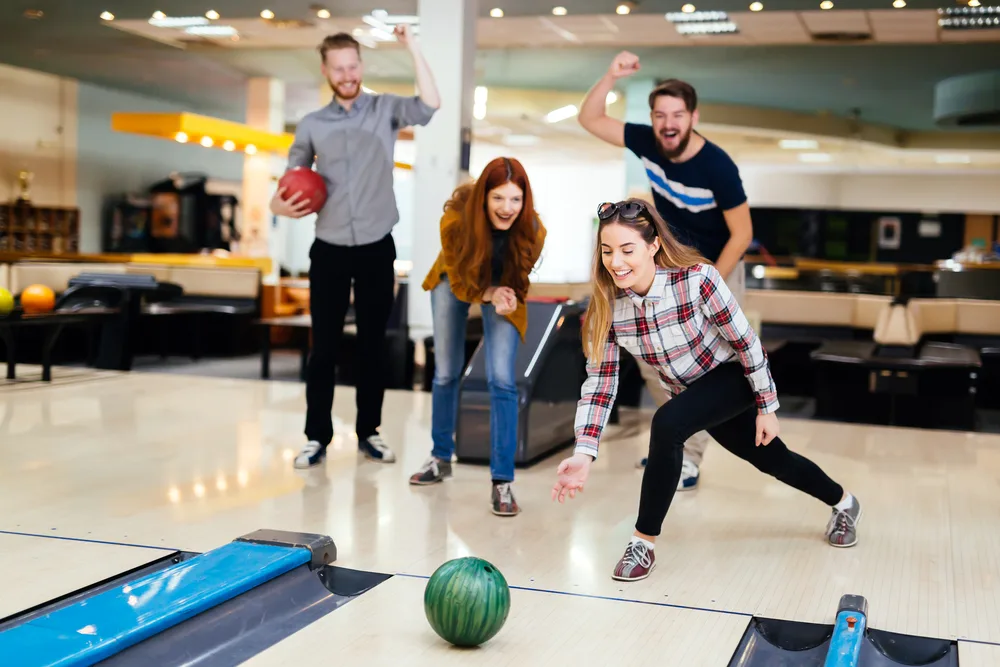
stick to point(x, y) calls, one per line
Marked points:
point(644, 219)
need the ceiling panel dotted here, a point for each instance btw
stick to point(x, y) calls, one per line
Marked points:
point(891, 25)
point(820, 21)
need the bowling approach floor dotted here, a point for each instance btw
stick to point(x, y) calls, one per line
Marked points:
point(100, 475)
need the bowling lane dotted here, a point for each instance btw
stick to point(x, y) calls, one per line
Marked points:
point(387, 626)
point(978, 655)
point(34, 570)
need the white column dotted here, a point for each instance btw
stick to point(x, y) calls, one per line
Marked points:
point(636, 111)
point(265, 110)
point(448, 42)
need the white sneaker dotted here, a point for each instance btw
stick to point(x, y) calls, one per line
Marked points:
point(311, 455)
point(374, 447)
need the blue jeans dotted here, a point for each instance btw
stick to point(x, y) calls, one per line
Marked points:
point(501, 340)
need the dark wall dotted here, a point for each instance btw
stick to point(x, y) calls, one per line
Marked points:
point(853, 235)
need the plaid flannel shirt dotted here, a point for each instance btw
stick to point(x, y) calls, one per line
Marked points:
point(686, 325)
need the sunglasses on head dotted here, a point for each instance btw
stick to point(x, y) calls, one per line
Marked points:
point(627, 210)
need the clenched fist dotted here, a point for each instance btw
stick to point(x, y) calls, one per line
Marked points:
point(624, 64)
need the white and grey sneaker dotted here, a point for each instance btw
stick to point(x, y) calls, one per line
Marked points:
point(842, 530)
point(374, 448)
point(433, 471)
point(311, 455)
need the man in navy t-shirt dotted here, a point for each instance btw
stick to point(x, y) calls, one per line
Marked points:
point(696, 187)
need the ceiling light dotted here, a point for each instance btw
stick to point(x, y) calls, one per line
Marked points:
point(815, 157)
point(107, 16)
point(707, 28)
point(211, 30)
point(496, 13)
point(623, 9)
point(973, 3)
point(212, 14)
point(323, 13)
point(826, 4)
point(799, 144)
point(688, 17)
point(181, 137)
point(611, 98)
point(250, 150)
point(559, 11)
point(898, 4)
point(159, 16)
point(688, 8)
point(33, 13)
point(952, 159)
point(756, 6)
point(267, 14)
point(229, 145)
point(207, 142)
point(969, 18)
point(177, 21)
point(560, 114)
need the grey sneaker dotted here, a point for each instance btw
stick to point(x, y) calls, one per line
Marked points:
point(842, 531)
point(432, 472)
point(503, 500)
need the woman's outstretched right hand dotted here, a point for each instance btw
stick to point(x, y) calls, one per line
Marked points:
point(572, 474)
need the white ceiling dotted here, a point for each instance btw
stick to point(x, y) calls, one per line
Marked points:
point(890, 26)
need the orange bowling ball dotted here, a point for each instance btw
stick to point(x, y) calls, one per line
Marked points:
point(37, 299)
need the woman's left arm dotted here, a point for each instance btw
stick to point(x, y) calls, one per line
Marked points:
point(722, 310)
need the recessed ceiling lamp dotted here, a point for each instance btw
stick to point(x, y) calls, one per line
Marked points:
point(701, 23)
point(624, 8)
point(212, 15)
point(799, 144)
point(898, 4)
point(560, 114)
point(973, 3)
point(969, 18)
point(207, 142)
point(559, 11)
point(107, 16)
point(323, 13)
point(496, 13)
point(159, 16)
point(611, 98)
point(826, 4)
point(756, 6)
point(229, 145)
point(267, 14)
point(688, 8)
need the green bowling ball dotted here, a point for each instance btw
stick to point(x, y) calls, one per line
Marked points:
point(467, 601)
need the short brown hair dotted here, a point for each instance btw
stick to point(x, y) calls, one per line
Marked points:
point(341, 40)
point(675, 88)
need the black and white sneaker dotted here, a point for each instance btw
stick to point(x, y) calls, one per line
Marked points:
point(311, 455)
point(374, 448)
point(432, 472)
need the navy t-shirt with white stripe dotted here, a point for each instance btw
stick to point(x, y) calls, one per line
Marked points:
point(691, 195)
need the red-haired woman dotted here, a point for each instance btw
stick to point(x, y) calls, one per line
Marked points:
point(491, 237)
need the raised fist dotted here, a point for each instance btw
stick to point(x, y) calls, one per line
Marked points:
point(624, 64)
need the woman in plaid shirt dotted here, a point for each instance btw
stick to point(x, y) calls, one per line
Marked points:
point(665, 304)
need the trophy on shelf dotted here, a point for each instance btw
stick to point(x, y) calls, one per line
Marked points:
point(24, 178)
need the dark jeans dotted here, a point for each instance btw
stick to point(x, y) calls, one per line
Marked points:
point(333, 270)
point(722, 403)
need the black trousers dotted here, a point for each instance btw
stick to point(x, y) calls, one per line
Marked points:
point(333, 270)
point(722, 403)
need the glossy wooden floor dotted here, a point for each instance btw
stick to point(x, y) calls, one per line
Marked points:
point(191, 463)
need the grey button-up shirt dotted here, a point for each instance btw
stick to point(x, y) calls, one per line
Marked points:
point(353, 152)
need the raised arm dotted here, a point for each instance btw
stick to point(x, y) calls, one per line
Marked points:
point(593, 111)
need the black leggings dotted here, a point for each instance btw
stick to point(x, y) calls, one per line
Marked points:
point(722, 403)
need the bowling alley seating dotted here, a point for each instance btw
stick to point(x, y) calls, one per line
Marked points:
point(908, 374)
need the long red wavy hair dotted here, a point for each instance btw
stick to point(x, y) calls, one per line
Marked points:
point(473, 242)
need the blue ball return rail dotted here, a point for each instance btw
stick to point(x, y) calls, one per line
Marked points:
point(243, 596)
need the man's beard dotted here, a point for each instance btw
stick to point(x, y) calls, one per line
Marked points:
point(681, 146)
point(338, 94)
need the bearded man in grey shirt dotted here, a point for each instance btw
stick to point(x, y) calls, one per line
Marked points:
point(351, 141)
